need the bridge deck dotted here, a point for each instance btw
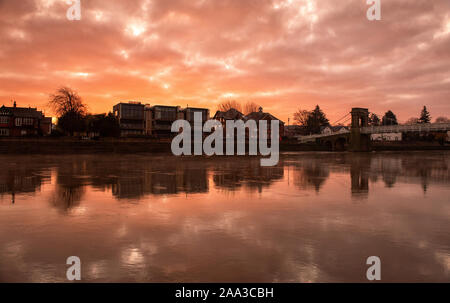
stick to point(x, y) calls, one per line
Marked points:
point(384, 129)
point(427, 127)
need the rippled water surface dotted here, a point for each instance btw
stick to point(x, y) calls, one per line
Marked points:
point(314, 217)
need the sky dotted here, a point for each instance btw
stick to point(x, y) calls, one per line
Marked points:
point(284, 55)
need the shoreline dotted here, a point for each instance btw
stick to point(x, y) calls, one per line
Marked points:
point(66, 146)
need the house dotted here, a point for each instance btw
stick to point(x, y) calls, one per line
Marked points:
point(131, 118)
point(231, 114)
point(260, 115)
point(387, 137)
point(23, 121)
point(328, 130)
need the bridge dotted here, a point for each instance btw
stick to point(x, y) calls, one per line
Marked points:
point(358, 138)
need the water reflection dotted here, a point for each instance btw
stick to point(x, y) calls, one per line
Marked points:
point(160, 218)
point(137, 178)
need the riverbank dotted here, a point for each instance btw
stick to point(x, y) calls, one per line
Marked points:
point(133, 146)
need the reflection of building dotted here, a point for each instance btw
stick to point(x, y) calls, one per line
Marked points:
point(23, 121)
point(131, 118)
point(180, 179)
point(15, 181)
point(248, 174)
point(311, 174)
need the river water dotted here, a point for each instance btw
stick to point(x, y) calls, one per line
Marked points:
point(315, 217)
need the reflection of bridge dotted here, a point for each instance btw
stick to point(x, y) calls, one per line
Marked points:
point(358, 138)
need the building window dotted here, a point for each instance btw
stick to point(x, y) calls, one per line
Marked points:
point(23, 132)
point(4, 132)
point(4, 120)
point(18, 121)
point(28, 121)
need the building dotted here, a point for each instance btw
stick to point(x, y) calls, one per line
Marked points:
point(23, 121)
point(260, 115)
point(231, 114)
point(292, 131)
point(387, 137)
point(131, 118)
point(188, 114)
point(159, 119)
point(328, 130)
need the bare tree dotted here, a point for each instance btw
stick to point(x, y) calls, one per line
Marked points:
point(412, 120)
point(442, 120)
point(67, 101)
point(70, 109)
point(250, 107)
point(301, 117)
point(227, 105)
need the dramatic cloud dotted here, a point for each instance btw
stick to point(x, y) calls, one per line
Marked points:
point(282, 54)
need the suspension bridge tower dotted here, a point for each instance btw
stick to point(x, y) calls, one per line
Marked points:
point(359, 142)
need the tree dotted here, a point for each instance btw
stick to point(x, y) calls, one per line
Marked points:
point(374, 120)
point(227, 105)
point(70, 110)
point(316, 120)
point(442, 120)
point(66, 100)
point(424, 116)
point(301, 117)
point(105, 125)
point(389, 118)
point(412, 120)
point(250, 107)
point(72, 122)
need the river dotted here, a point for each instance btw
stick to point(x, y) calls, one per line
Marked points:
point(315, 217)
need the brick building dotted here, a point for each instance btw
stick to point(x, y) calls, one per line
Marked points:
point(23, 121)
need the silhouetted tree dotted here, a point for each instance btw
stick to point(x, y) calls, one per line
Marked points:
point(424, 116)
point(70, 110)
point(301, 117)
point(250, 107)
point(227, 105)
point(389, 118)
point(72, 122)
point(442, 120)
point(105, 125)
point(66, 100)
point(374, 120)
point(316, 120)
